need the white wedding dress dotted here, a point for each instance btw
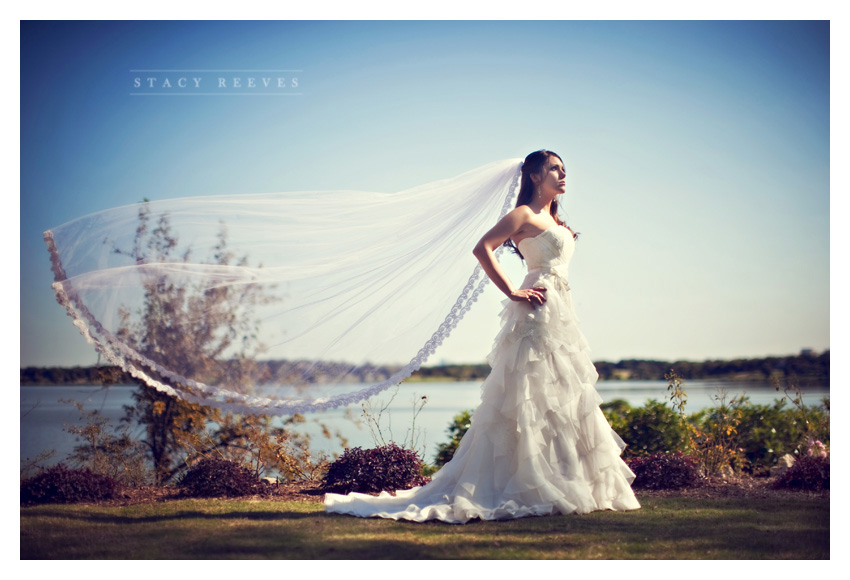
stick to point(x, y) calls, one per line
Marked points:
point(538, 443)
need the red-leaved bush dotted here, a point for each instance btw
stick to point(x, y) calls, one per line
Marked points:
point(663, 471)
point(808, 472)
point(216, 477)
point(59, 484)
point(386, 468)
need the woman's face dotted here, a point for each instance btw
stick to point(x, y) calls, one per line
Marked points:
point(553, 177)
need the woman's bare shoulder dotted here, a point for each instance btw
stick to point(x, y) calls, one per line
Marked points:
point(523, 212)
point(507, 227)
point(519, 216)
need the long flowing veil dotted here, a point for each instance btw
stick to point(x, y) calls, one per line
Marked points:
point(280, 303)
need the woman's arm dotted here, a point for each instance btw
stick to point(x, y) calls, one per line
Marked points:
point(484, 251)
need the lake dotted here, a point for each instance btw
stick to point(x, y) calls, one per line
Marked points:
point(43, 416)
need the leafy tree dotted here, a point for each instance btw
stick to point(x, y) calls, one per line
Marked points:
point(210, 334)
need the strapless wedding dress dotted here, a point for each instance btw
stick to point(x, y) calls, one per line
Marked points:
point(538, 443)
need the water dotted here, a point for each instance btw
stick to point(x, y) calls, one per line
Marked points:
point(43, 417)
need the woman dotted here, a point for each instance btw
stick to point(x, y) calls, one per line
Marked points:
point(538, 443)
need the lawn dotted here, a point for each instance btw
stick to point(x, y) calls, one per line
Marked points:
point(781, 527)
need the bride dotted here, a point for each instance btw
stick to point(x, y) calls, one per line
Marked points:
point(538, 443)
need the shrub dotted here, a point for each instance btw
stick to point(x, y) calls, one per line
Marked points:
point(617, 413)
point(766, 433)
point(385, 468)
point(59, 484)
point(617, 407)
point(651, 429)
point(808, 472)
point(106, 449)
point(216, 477)
point(663, 471)
point(456, 430)
point(714, 435)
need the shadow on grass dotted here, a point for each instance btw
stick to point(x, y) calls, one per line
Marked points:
point(105, 518)
point(667, 528)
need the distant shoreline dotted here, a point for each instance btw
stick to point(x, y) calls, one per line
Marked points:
point(806, 367)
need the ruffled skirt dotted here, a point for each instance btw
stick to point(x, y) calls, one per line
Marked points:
point(538, 443)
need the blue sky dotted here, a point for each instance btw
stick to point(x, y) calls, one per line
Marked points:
point(697, 151)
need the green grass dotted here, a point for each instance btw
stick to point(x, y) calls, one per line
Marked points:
point(665, 528)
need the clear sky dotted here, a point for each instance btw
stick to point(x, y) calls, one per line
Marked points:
point(698, 154)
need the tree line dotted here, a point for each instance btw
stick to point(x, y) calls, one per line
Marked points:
point(806, 365)
point(809, 366)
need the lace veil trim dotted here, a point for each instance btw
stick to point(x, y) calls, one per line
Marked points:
point(166, 380)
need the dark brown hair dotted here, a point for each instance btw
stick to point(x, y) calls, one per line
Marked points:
point(534, 163)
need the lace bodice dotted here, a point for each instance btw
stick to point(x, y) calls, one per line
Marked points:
point(549, 250)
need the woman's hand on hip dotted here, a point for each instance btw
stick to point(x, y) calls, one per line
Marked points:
point(535, 296)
